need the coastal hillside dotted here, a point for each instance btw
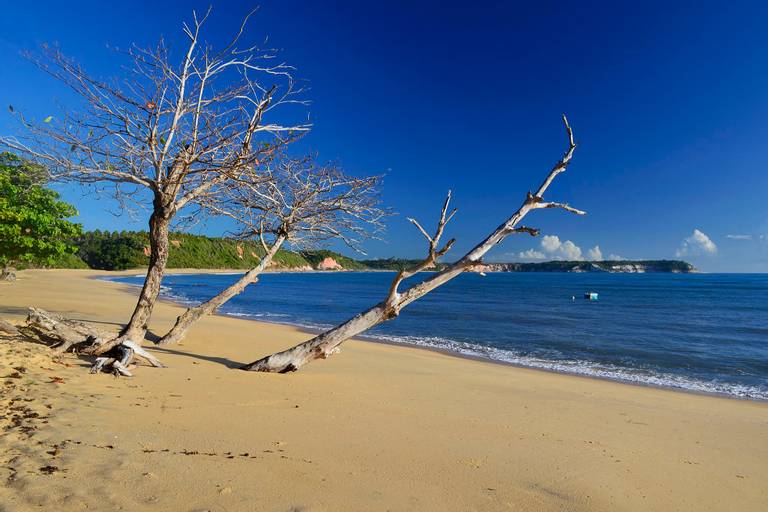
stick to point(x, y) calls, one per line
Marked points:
point(104, 250)
point(618, 266)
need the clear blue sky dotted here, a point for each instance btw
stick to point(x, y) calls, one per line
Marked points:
point(668, 100)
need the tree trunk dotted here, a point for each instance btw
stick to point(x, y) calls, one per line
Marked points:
point(159, 223)
point(192, 315)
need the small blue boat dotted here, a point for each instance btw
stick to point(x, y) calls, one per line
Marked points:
point(590, 295)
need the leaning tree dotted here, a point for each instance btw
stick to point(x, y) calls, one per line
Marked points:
point(168, 133)
point(299, 202)
point(327, 343)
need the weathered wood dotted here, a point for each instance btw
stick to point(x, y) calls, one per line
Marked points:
point(62, 333)
point(159, 223)
point(116, 364)
point(327, 343)
point(141, 353)
point(8, 327)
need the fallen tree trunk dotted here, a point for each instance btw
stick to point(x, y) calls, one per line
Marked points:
point(63, 334)
point(327, 343)
point(192, 315)
point(8, 327)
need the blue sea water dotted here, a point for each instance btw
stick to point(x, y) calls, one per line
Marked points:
point(701, 332)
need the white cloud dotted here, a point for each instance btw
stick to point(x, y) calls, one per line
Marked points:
point(570, 251)
point(595, 254)
point(615, 257)
point(550, 243)
point(697, 243)
point(553, 248)
point(531, 254)
point(739, 237)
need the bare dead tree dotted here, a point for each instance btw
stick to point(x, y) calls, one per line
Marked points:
point(327, 343)
point(298, 202)
point(178, 129)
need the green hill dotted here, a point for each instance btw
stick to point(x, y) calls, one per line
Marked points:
point(106, 250)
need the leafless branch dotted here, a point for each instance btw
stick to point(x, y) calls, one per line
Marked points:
point(327, 343)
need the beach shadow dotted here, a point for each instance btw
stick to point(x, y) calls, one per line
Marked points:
point(14, 310)
point(220, 360)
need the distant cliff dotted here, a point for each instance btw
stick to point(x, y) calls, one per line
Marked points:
point(616, 267)
point(622, 266)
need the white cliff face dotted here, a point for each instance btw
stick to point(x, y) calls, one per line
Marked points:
point(594, 266)
point(631, 269)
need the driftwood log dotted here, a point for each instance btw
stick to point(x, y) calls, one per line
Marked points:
point(8, 327)
point(63, 334)
point(327, 343)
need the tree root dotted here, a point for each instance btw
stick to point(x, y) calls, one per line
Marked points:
point(64, 334)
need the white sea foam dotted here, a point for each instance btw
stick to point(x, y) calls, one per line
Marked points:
point(586, 368)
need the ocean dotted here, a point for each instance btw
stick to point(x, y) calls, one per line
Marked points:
point(699, 332)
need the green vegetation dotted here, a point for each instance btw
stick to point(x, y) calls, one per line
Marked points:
point(128, 249)
point(34, 229)
point(395, 264)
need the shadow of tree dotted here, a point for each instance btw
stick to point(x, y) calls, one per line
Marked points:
point(220, 360)
point(14, 310)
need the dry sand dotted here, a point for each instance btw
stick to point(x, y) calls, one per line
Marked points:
point(376, 427)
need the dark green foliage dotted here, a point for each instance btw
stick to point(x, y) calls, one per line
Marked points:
point(395, 264)
point(106, 250)
point(34, 228)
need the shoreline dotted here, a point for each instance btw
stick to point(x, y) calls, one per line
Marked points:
point(178, 302)
point(376, 428)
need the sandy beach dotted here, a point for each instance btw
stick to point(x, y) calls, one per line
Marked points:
point(374, 428)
